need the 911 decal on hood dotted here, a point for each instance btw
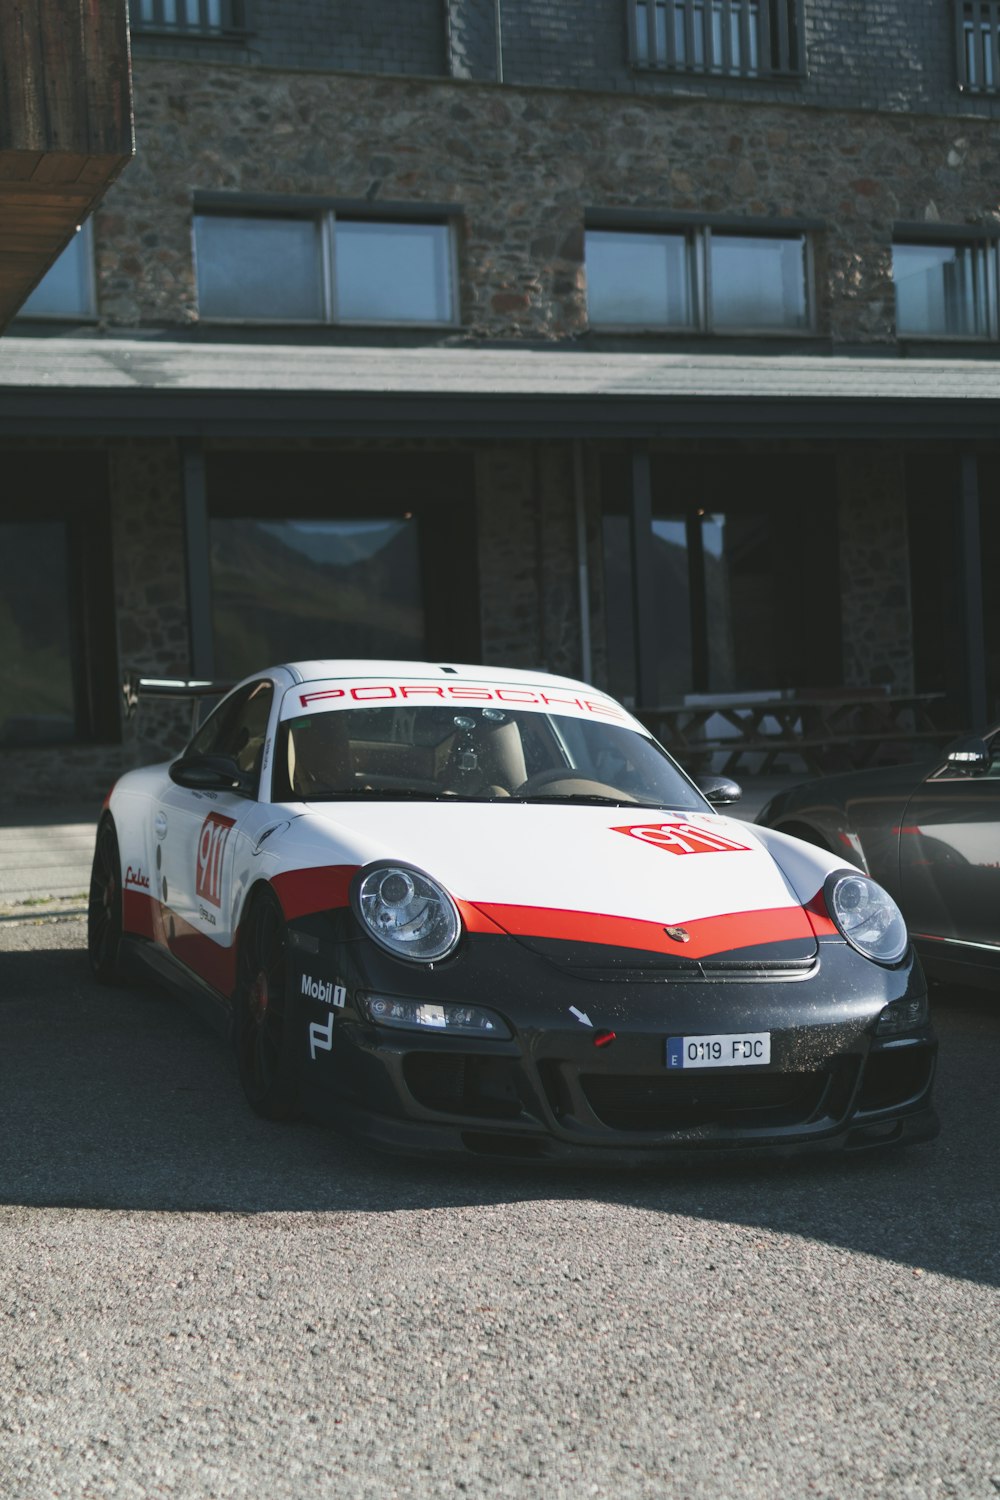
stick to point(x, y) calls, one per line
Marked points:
point(542, 869)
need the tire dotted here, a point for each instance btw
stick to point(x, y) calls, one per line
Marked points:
point(104, 907)
point(261, 1006)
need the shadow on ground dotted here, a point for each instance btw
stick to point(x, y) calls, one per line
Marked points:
point(120, 1099)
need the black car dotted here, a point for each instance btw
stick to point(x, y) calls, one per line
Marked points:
point(930, 835)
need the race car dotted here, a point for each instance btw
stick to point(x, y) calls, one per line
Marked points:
point(477, 911)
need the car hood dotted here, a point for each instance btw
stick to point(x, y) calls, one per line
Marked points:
point(685, 885)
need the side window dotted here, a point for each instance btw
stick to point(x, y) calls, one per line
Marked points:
point(238, 728)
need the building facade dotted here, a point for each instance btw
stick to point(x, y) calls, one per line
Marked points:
point(649, 340)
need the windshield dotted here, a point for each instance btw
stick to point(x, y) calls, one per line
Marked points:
point(486, 754)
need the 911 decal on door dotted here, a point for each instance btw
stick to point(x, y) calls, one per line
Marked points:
point(212, 841)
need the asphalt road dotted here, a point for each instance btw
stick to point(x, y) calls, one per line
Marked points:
point(196, 1303)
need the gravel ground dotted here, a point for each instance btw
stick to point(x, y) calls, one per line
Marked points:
point(196, 1303)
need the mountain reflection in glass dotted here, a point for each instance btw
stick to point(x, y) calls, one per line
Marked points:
point(302, 589)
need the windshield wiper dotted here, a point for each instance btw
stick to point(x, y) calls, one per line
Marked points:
point(360, 793)
point(586, 799)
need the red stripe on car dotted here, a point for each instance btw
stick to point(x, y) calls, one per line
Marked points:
point(302, 892)
point(707, 935)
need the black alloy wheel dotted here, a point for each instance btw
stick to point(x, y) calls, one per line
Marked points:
point(104, 906)
point(261, 1005)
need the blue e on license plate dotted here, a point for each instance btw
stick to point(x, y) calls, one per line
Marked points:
point(730, 1049)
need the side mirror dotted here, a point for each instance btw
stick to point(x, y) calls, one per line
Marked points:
point(969, 755)
point(210, 773)
point(721, 791)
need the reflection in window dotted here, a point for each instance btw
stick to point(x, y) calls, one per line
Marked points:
point(67, 288)
point(945, 290)
point(247, 265)
point(305, 589)
point(321, 268)
point(978, 25)
point(643, 279)
point(744, 38)
point(758, 283)
point(392, 273)
point(36, 680)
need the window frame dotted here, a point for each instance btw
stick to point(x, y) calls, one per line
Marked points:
point(977, 42)
point(324, 215)
point(237, 24)
point(780, 27)
point(953, 237)
point(698, 231)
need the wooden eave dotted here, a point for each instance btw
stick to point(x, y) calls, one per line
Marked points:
point(65, 128)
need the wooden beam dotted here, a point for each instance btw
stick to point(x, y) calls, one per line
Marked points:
point(65, 83)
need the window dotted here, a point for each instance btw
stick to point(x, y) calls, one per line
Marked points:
point(200, 18)
point(238, 728)
point(296, 589)
point(977, 28)
point(58, 669)
point(745, 595)
point(742, 38)
point(945, 290)
point(67, 288)
point(699, 279)
point(324, 268)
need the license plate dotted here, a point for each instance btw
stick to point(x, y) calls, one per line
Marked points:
point(731, 1049)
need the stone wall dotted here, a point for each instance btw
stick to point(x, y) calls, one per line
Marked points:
point(876, 623)
point(530, 611)
point(521, 167)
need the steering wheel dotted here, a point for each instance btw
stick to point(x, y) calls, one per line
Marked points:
point(561, 779)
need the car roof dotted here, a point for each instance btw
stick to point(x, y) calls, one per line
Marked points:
point(312, 671)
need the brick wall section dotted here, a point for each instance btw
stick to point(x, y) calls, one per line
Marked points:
point(860, 54)
point(522, 166)
point(876, 620)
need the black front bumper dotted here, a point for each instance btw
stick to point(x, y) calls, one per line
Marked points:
point(553, 1092)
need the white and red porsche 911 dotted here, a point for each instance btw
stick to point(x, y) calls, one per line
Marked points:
point(470, 910)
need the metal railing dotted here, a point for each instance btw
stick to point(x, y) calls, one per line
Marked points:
point(191, 18)
point(736, 38)
point(977, 30)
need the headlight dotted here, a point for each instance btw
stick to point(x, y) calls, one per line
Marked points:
point(867, 916)
point(406, 912)
point(420, 1015)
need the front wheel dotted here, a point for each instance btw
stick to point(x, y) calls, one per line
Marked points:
point(261, 1012)
point(104, 907)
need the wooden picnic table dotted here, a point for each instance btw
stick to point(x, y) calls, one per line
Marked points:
point(840, 730)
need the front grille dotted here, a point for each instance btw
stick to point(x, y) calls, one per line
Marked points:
point(671, 1103)
point(454, 1083)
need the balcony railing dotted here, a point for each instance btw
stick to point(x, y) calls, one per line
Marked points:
point(977, 29)
point(736, 38)
point(192, 18)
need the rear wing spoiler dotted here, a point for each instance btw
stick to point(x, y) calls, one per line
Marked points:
point(136, 688)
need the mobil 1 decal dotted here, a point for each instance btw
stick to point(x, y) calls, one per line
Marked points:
point(683, 838)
